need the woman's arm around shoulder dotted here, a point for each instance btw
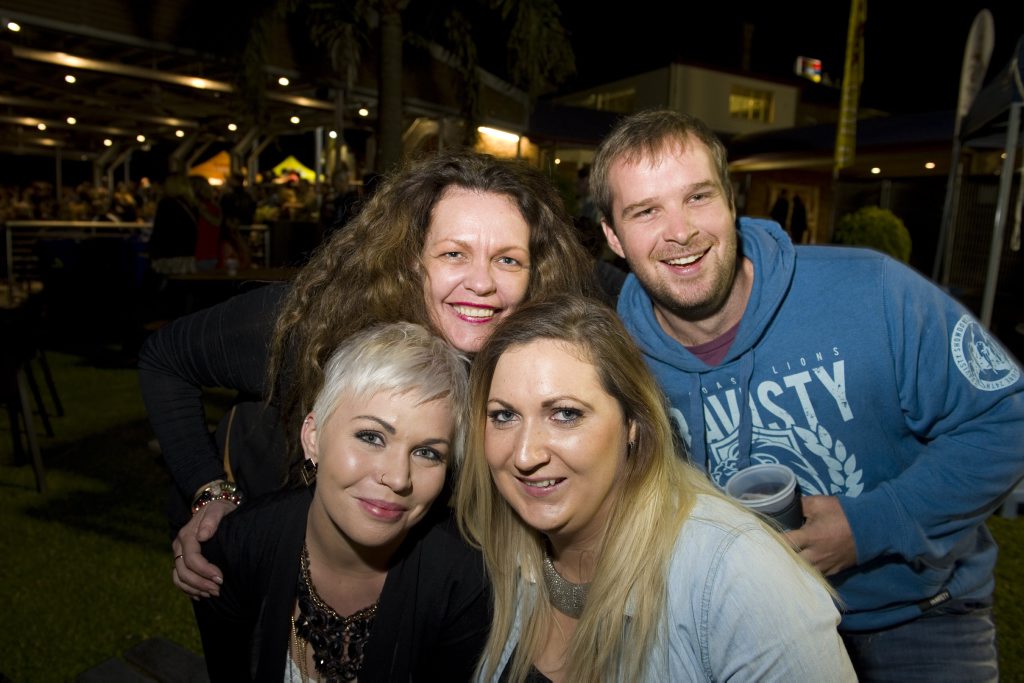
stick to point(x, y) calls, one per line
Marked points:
point(223, 346)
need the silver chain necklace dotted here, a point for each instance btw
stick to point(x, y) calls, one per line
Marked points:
point(565, 596)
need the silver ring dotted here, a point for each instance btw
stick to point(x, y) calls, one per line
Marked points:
point(178, 557)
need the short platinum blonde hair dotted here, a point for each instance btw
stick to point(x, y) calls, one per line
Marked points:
point(397, 358)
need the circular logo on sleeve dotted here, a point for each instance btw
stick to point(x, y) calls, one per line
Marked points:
point(980, 358)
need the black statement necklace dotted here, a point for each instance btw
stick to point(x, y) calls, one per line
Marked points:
point(338, 642)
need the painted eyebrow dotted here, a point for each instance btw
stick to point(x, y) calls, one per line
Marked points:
point(389, 428)
point(689, 189)
point(551, 402)
point(463, 244)
point(503, 404)
point(554, 401)
point(386, 426)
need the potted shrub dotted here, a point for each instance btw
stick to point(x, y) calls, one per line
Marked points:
point(875, 228)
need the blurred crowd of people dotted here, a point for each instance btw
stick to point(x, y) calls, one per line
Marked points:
point(128, 202)
point(287, 197)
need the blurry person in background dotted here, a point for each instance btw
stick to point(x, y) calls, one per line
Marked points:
point(340, 202)
point(238, 208)
point(208, 224)
point(172, 246)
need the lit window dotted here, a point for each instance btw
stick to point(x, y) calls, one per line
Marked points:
point(751, 105)
point(619, 101)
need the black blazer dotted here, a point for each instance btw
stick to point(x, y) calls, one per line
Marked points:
point(432, 618)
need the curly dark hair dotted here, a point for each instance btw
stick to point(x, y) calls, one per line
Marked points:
point(371, 271)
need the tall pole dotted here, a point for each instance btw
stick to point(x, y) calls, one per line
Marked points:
point(1002, 207)
point(853, 76)
point(977, 52)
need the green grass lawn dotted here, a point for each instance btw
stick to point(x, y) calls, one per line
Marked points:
point(85, 570)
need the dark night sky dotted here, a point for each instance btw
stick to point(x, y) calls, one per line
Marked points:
point(913, 51)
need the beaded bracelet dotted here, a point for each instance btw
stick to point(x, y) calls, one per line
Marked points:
point(216, 490)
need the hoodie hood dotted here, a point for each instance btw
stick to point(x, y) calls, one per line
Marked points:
point(769, 249)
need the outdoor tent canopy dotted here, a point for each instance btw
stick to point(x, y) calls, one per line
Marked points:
point(217, 167)
point(294, 165)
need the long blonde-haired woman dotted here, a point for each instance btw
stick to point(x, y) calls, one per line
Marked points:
point(611, 558)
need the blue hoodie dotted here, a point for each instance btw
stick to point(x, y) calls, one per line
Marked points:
point(873, 386)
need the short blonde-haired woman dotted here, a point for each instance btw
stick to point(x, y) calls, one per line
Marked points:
point(611, 558)
point(361, 574)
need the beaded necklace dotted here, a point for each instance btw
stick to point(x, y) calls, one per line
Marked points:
point(338, 642)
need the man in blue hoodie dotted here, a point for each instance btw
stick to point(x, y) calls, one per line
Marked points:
point(901, 417)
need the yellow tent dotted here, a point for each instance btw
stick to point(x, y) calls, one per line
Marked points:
point(215, 169)
point(295, 166)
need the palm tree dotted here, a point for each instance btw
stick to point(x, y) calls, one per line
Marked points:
point(539, 53)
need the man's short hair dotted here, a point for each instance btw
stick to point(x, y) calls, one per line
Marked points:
point(646, 135)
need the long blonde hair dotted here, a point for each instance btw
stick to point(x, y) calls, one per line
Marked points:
point(656, 496)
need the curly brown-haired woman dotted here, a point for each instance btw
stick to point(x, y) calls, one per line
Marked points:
point(454, 242)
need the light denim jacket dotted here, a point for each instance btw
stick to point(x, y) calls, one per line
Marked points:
point(739, 609)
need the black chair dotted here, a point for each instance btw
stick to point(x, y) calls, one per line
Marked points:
point(17, 350)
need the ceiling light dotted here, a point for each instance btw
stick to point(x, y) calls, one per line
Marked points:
point(13, 26)
point(333, 134)
point(70, 79)
point(875, 170)
point(295, 119)
point(232, 127)
point(283, 80)
point(179, 133)
point(929, 165)
point(557, 161)
point(500, 134)
point(41, 126)
point(108, 142)
point(140, 137)
point(72, 120)
point(363, 111)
